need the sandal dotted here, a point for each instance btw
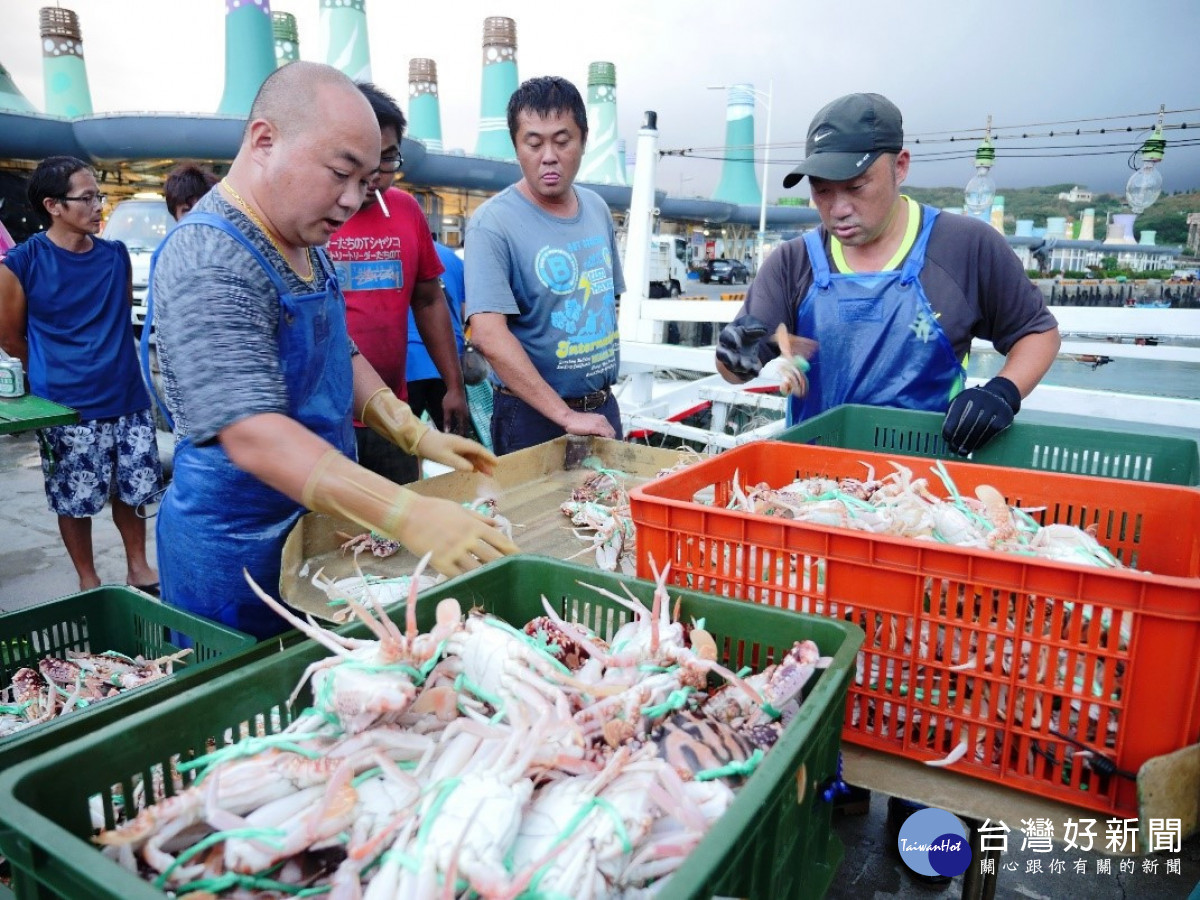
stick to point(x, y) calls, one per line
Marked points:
point(151, 589)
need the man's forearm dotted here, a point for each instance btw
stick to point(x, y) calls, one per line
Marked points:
point(437, 331)
point(366, 382)
point(731, 377)
point(512, 366)
point(14, 317)
point(275, 449)
point(16, 346)
point(1030, 359)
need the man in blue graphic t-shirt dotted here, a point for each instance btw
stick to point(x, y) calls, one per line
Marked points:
point(543, 277)
point(65, 296)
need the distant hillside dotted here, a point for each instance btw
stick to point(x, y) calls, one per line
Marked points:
point(1167, 217)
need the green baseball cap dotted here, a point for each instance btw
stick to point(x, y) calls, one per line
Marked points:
point(847, 136)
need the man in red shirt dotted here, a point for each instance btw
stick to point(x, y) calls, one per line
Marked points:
point(385, 261)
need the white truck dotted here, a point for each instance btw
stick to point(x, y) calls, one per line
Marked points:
point(668, 264)
point(140, 223)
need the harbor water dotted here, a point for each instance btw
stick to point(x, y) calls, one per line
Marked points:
point(1118, 375)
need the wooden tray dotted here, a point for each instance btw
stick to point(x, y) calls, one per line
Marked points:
point(529, 486)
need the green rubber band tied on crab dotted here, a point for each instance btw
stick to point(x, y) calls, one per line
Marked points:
point(746, 767)
point(463, 682)
point(801, 363)
point(258, 834)
point(247, 747)
point(576, 820)
point(376, 669)
point(504, 626)
point(675, 700)
point(428, 665)
point(444, 789)
point(770, 712)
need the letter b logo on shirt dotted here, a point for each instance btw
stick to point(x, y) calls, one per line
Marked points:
point(557, 270)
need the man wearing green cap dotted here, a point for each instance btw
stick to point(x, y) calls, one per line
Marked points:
point(892, 292)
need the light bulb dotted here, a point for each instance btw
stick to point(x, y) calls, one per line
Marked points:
point(981, 189)
point(980, 192)
point(1143, 186)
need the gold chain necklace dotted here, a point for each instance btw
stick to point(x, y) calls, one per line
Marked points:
point(270, 237)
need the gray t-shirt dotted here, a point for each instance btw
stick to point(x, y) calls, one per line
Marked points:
point(556, 279)
point(216, 316)
point(973, 280)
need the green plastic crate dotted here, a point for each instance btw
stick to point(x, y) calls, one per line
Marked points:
point(1100, 452)
point(108, 618)
point(774, 841)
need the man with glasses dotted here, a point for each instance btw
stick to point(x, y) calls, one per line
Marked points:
point(65, 296)
point(386, 264)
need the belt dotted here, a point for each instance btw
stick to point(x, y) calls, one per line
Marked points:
point(587, 403)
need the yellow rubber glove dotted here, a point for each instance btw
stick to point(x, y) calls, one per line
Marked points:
point(460, 540)
point(457, 452)
point(388, 415)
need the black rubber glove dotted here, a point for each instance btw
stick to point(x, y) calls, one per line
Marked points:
point(742, 346)
point(978, 414)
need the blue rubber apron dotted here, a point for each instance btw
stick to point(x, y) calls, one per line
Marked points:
point(216, 519)
point(880, 341)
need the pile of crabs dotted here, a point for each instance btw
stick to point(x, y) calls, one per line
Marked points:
point(475, 759)
point(599, 510)
point(61, 685)
point(900, 505)
point(963, 653)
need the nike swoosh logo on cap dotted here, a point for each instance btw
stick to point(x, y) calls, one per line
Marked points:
point(820, 136)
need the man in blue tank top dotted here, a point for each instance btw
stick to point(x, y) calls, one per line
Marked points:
point(893, 292)
point(65, 297)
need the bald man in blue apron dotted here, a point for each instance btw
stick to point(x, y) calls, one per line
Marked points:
point(262, 381)
point(892, 292)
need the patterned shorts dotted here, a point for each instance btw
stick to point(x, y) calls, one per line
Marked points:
point(85, 464)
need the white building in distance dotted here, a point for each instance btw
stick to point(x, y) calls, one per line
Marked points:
point(1076, 195)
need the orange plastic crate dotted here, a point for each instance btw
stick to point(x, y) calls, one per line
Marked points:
point(1091, 652)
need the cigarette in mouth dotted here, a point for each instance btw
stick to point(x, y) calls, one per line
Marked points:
point(379, 198)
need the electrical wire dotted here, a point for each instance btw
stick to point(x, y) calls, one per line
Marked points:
point(952, 136)
point(964, 153)
point(1169, 112)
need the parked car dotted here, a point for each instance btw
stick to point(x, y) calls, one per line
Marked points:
point(140, 223)
point(724, 271)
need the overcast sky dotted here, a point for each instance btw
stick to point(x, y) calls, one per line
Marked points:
point(947, 64)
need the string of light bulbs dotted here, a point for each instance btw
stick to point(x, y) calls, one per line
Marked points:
point(1142, 189)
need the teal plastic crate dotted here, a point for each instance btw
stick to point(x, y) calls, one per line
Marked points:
point(111, 618)
point(774, 841)
point(107, 618)
point(1100, 452)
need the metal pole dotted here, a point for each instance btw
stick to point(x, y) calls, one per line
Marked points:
point(639, 227)
point(762, 212)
